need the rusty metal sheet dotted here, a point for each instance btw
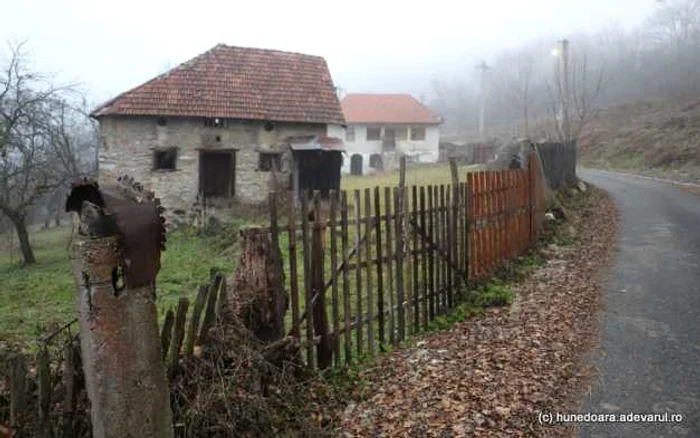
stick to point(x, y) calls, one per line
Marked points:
point(130, 212)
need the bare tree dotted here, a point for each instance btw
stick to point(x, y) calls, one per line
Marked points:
point(573, 96)
point(39, 152)
point(517, 84)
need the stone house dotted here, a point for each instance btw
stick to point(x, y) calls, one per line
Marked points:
point(380, 127)
point(218, 126)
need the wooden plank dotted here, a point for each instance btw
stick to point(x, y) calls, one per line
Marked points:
point(358, 275)
point(431, 255)
point(415, 260)
point(45, 393)
point(478, 253)
point(389, 266)
point(324, 349)
point(464, 225)
point(308, 292)
point(293, 278)
point(399, 202)
point(486, 214)
point(280, 304)
point(444, 248)
point(178, 333)
point(18, 389)
point(335, 302)
point(344, 233)
point(380, 267)
point(452, 241)
point(490, 228)
point(402, 171)
point(167, 332)
point(497, 212)
point(368, 271)
point(424, 260)
point(513, 214)
point(199, 303)
point(70, 363)
point(469, 210)
point(210, 309)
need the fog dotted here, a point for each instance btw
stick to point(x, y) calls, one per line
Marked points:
point(389, 46)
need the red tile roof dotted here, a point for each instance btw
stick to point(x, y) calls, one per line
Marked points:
point(237, 83)
point(386, 108)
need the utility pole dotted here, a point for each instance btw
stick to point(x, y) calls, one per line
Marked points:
point(563, 88)
point(484, 68)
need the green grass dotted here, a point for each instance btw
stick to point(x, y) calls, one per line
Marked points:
point(422, 175)
point(35, 298)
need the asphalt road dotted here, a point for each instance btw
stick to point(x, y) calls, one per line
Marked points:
point(649, 360)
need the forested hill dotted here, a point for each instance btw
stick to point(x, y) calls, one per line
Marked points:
point(658, 135)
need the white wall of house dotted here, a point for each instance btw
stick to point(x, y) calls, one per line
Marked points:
point(336, 131)
point(423, 151)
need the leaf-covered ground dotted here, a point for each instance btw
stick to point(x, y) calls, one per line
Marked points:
point(492, 375)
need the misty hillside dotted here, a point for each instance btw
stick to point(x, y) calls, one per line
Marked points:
point(660, 135)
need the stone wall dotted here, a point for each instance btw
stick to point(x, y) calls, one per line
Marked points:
point(128, 144)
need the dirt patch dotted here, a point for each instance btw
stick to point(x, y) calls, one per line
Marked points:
point(494, 374)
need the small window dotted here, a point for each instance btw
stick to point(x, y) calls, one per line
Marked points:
point(350, 134)
point(267, 161)
point(401, 133)
point(418, 133)
point(162, 122)
point(214, 123)
point(165, 159)
point(375, 161)
point(374, 134)
point(269, 126)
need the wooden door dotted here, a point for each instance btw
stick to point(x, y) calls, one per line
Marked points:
point(217, 173)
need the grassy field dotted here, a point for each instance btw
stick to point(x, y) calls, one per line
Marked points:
point(438, 174)
point(34, 299)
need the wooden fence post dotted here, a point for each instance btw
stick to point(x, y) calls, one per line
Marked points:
point(115, 268)
point(324, 350)
point(18, 388)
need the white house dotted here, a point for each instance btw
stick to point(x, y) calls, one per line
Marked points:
point(381, 127)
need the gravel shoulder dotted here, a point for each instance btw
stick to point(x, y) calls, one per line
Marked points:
point(492, 375)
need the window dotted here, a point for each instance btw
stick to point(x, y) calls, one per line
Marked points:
point(374, 134)
point(418, 133)
point(269, 126)
point(375, 161)
point(350, 134)
point(266, 161)
point(401, 133)
point(162, 122)
point(165, 159)
point(214, 123)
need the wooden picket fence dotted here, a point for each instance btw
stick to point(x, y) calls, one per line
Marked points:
point(365, 270)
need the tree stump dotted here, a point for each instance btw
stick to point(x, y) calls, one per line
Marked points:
point(258, 294)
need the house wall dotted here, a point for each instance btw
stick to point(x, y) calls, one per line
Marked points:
point(128, 143)
point(425, 151)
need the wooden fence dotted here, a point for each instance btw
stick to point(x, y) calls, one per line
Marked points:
point(366, 269)
point(57, 378)
point(559, 163)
